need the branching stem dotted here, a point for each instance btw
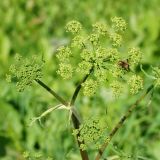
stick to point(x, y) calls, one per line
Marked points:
point(75, 119)
point(76, 123)
point(120, 123)
point(60, 99)
point(78, 88)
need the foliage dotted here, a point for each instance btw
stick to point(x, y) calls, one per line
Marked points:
point(36, 27)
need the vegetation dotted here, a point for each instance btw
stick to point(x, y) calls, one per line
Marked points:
point(100, 75)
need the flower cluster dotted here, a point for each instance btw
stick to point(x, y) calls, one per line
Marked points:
point(96, 59)
point(78, 41)
point(65, 70)
point(135, 55)
point(117, 88)
point(90, 87)
point(73, 27)
point(28, 156)
point(64, 53)
point(94, 39)
point(100, 28)
point(119, 23)
point(116, 39)
point(90, 132)
point(25, 71)
point(135, 84)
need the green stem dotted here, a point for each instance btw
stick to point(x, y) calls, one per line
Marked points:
point(78, 88)
point(120, 123)
point(75, 119)
point(76, 123)
point(60, 99)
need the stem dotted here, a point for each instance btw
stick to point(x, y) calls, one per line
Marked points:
point(76, 124)
point(120, 123)
point(78, 88)
point(60, 99)
point(75, 119)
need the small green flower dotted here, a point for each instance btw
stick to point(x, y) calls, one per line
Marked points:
point(116, 71)
point(25, 71)
point(135, 55)
point(91, 131)
point(101, 53)
point(100, 74)
point(94, 39)
point(26, 154)
point(73, 27)
point(119, 23)
point(63, 54)
point(113, 55)
point(100, 28)
point(78, 41)
point(89, 87)
point(135, 84)
point(84, 67)
point(86, 55)
point(83, 147)
point(65, 70)
point(18, 57)
point(117, 88)
point(116, 39)
point(8, 78)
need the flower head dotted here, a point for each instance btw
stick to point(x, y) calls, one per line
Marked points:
point(73, 27)
point(25, 71)
point(135, 84)
point(94, 39)
point(100, 28)
point(63, 54)
point(78, 41)
point(117, 88)
point(84, 67)
point(119, 23)
point(65, 70)
point(135, 55)
point(116, 39)
point(89, 87)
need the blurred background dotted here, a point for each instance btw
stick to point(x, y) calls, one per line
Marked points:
point(36, 27)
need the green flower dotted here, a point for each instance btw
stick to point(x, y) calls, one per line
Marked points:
point(100, 28)
point(8, 78)
point(135, 84)
point(94, 39)
point(87, 55)
point(101, 53)
point(91, 131)
point(78, 41)
point(117, 88)
point(135, 56)
point(65, 70)
point(116, 39)
point(119, 23)
point(25, 71)
point(84, 67)
point(63, 54)
point(116, 71)
point(89, 87)
point(83, 147)
point(112, 54)
point(100, 74)
point(73, 27)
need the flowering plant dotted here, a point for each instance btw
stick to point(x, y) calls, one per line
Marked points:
point(101, 60)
